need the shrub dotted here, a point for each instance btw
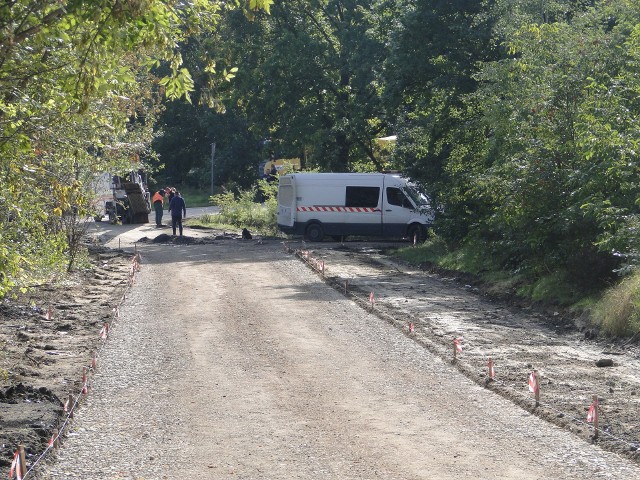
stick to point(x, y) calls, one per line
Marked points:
point(243, 211)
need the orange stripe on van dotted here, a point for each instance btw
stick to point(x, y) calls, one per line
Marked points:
point(338, 209)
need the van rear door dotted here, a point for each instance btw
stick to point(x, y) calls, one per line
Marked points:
point(286, 201)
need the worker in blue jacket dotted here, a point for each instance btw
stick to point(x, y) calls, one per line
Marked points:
point(178, 211)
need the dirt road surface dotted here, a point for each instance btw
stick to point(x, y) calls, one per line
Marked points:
point(233, 359)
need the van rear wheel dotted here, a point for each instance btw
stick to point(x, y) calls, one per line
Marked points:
point(314, 232)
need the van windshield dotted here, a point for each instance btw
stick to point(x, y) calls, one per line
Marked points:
point(418, 198)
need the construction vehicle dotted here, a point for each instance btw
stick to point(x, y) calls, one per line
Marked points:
point(272, 168)
point(131, 201)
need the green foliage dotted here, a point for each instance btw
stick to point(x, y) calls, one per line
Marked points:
point(530, 154)
point(555, 288)
point(78, 99)
point(521, 118)
point(431, 251)
point(242, 210)
point(618, 312)
point(305, 81)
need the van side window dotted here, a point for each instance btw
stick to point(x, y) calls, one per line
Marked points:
point(395, 196)
point(362, 197)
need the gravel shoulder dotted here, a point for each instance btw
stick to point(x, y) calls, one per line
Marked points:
point(233, 359)
point(517, 340)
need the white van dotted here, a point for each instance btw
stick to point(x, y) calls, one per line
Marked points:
point(342, 204)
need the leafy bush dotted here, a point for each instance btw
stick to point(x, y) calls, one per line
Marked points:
point(243, 211)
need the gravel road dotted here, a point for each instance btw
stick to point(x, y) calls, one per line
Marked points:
point(233, 360)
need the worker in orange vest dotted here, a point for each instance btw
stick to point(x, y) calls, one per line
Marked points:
point(158, 205)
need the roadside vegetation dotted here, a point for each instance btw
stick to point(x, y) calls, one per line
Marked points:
point(614, 310)
point(253, 209)
point(618, 312)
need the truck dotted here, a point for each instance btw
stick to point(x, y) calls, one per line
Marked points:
point(346, 204)
point(130, 200)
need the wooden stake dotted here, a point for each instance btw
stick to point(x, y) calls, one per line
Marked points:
point(346, 287)
point(56, 440)
point(21, 459)
point(537, 392)
point(70, 406)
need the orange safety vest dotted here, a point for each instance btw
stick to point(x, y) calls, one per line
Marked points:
point(158, 198)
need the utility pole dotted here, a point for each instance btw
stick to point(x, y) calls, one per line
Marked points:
point(213, 153)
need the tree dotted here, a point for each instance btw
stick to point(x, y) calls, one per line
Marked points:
point(310, 81)
point(77, 98)
point(561, 132)
point(436, 50)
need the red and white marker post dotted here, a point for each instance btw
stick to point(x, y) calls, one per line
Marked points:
point(534, 386)
point(592, 416)
point(372, 300)
point(104, 332)
point(85, 389)
point(457, 347)
point(18, 465)
point(492, 370)
point(53, 441)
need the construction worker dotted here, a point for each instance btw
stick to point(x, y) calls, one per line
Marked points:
point(178, 211)
point(158, 205)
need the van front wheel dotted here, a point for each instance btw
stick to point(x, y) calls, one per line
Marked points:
point(417, 233)
point(314, 232)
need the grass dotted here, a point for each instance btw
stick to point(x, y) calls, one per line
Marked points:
point(467, 258)
point(195, 197)
point(618, 312)
point(210, 221)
